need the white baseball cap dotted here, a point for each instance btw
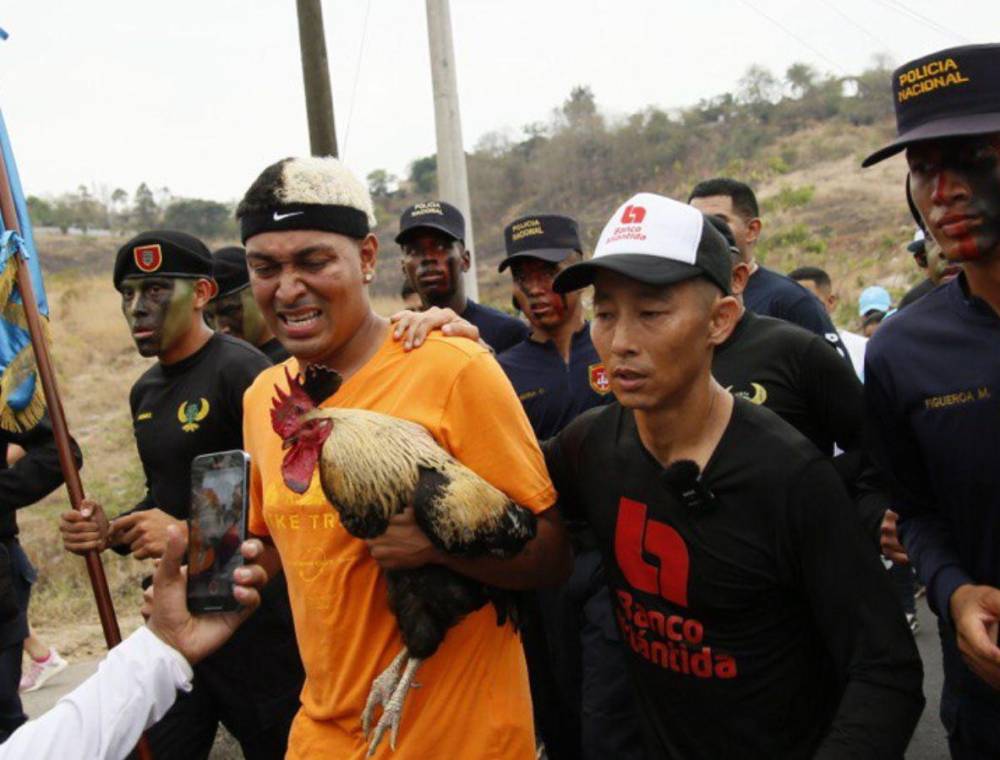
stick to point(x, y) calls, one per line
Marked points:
point(658, 241)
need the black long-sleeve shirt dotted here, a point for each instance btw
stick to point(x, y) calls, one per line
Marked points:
point(33, 477)
point(793, 372)
point(932, 381)
point(757, 623)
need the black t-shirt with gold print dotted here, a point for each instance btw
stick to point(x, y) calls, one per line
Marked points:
point(193, 407)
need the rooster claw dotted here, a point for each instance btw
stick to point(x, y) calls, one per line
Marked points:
point(392, 712)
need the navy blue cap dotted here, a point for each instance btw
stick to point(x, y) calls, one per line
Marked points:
point(951, 93)
point(549, 237)
point(435, 215)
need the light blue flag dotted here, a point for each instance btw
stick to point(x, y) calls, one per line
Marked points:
point(21, 401)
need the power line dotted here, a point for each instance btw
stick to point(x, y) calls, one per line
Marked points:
point(855, 24)
point(794, 36)
point(357, 76)
point(921, 19)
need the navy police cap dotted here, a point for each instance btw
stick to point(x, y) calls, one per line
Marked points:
point(434, 215)
point(549, 237)
point(951, 93)
point(163, 253)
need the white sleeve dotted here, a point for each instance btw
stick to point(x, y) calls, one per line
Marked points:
point(104, 716)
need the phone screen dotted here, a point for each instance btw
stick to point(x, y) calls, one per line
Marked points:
point(216, 528)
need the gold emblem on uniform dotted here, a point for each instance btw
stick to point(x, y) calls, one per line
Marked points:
point(190, 413)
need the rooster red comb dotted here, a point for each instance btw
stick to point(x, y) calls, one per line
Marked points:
point(286, 408)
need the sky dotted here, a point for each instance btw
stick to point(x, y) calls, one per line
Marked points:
point(198, 96)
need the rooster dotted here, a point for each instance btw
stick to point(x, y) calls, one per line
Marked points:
point(371, 467)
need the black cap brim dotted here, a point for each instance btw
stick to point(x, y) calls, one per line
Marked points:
point(402, 236)
point(953, 126)
point(651, 270)
point(552, 255)
point(917, 246)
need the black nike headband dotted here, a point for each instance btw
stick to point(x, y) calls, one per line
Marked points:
point(344, 220)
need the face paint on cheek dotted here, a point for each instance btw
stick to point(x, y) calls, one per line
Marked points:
point(176, 314)
point(253, 320)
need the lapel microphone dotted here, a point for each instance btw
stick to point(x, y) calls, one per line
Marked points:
point(684, 479)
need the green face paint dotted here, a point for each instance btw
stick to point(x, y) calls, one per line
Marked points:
point(237, 314)
point(159, 311)
point(253, 321)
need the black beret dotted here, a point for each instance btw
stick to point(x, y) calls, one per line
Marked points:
point(163, 253)
point(230, 268)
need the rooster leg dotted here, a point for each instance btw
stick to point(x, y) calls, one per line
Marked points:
point(393, 711)
point(382, 689)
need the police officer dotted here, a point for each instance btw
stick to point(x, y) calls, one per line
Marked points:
point(932, 378)
point(767, 292)
point(190, 402)
point(557, 375)
point(233, 310)
point(432, 238)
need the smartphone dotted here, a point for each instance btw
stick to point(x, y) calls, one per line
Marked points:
point(216, 528)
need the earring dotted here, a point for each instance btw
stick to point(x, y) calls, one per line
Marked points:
point(368, 277)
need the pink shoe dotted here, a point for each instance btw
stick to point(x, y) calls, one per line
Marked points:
point(38, 673)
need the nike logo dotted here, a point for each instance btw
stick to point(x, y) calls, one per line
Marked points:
point(278, 217)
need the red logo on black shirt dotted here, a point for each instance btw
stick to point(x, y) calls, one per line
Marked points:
point(635, 537)
point(633, 215)
point(659, 635)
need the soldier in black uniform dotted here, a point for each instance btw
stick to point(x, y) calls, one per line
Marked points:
point(233, 310)
point(30, 479)
point(190, 402)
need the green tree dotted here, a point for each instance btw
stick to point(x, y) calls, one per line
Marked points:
point(199, 217)
point(801, 78)
point(423, 175)
point(41, 211)
point(381, 183)
point(145, 212)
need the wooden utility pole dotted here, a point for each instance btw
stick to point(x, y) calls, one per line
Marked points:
point(453, 182)
point(316, 76)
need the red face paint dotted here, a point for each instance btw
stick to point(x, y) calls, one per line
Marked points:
point(543, 307)
point(955, 184)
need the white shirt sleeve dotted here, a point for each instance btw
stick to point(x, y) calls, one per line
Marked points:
point(105, 715)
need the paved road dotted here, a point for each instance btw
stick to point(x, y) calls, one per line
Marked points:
point(929, 742)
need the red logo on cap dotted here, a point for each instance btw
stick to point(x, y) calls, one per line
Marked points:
point(148, 257)
point(633, 215)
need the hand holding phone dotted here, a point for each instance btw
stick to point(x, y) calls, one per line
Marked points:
point(216, 528)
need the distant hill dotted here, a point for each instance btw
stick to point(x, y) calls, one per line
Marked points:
point(798, 140)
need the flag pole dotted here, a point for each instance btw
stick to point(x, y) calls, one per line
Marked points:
point(105, 606)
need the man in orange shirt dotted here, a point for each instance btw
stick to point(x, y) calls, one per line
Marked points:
point(306, 226)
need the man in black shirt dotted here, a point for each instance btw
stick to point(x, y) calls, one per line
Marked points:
point(557, 375)
point(432, 238)
point(757, 621)
point(190, 402)
point(233, 310)
point(767, 293)
point(30, 479)
point(932, 378)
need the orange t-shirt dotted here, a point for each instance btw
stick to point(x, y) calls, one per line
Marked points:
point(473, 700)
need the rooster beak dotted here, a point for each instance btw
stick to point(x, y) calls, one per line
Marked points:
point(289, 442)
